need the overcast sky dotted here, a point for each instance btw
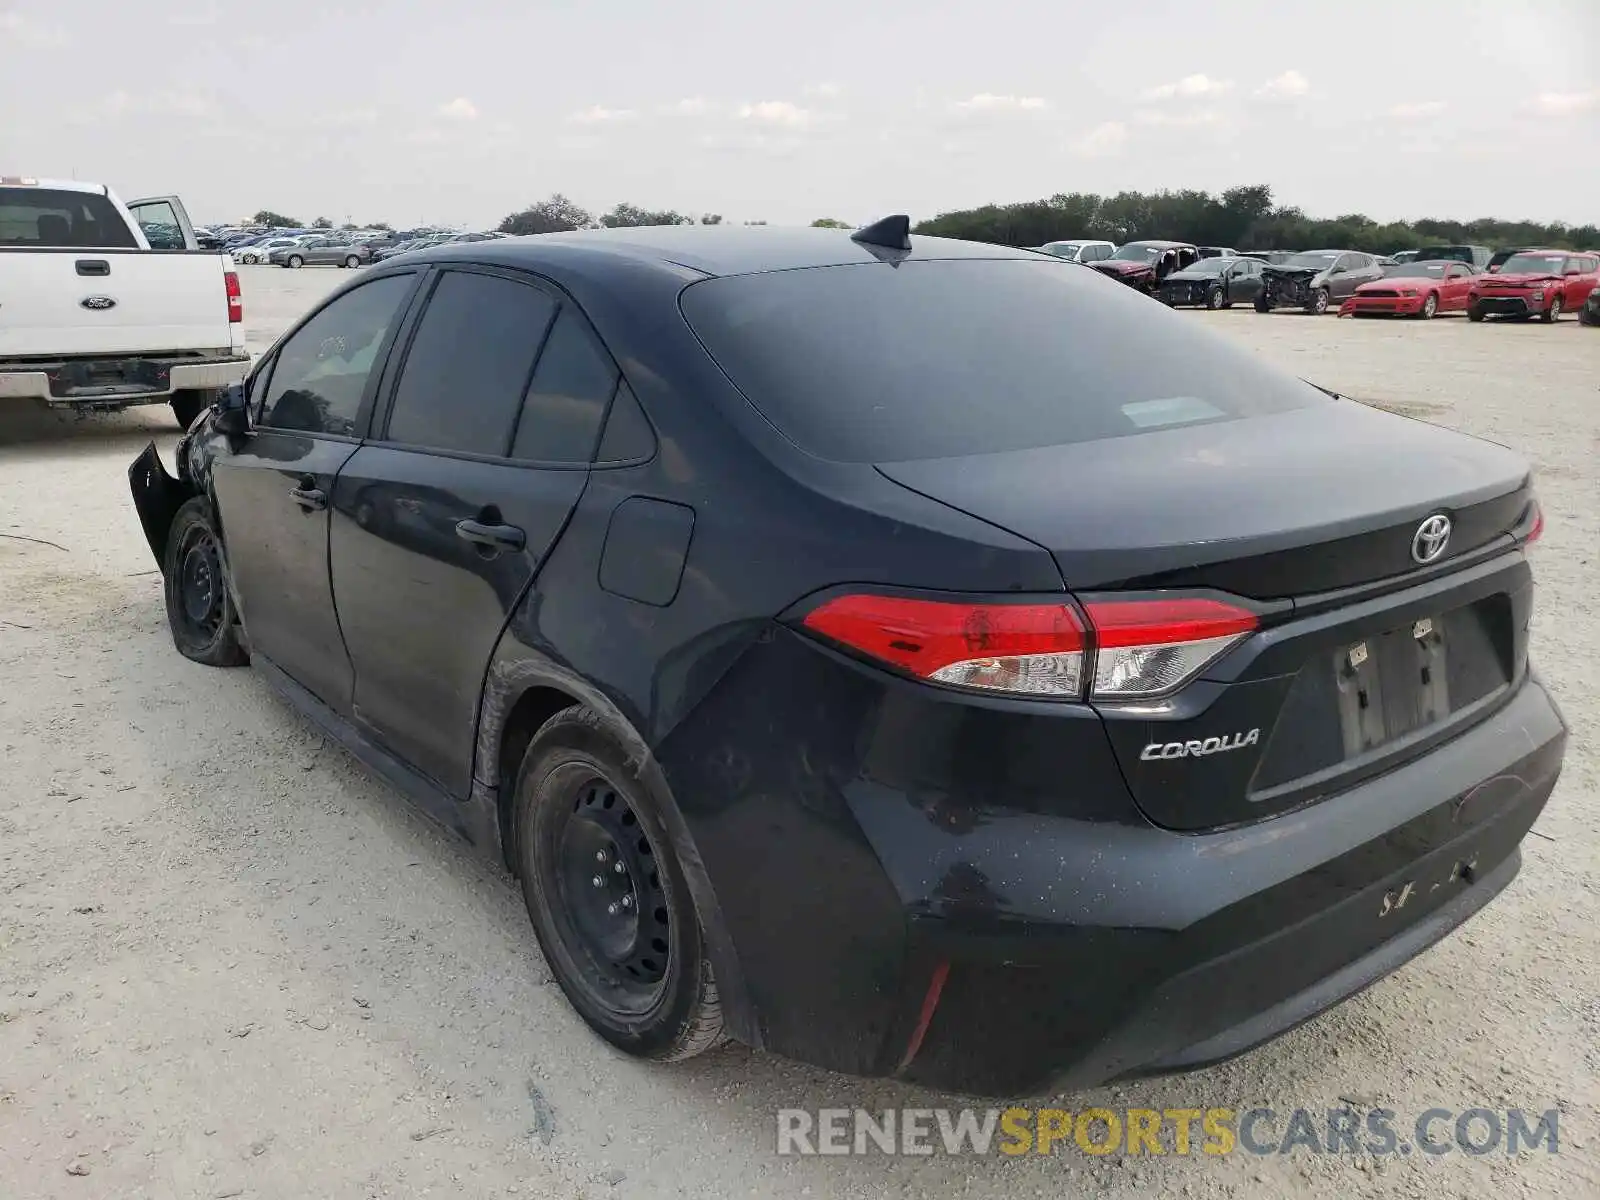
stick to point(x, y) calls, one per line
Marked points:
point(784, 111)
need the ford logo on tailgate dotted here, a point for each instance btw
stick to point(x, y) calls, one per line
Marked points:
point(98, 302)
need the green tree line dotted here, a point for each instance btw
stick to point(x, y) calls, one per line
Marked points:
point(1242, 217)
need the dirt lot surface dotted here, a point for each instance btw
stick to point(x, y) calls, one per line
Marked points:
point(232, 963)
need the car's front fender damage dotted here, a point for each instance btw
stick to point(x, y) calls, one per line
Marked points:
point(157, 496)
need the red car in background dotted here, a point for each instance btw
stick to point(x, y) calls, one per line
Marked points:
point(1542, 283)
point(1414, 289)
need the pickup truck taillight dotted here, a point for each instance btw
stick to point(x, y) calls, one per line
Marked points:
point(235, 299)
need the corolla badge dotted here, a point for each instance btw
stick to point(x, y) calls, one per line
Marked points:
point(1200, 747)
point(97, 303)
point(1430, 539)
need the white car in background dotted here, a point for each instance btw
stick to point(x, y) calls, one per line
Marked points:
point(258, 252)
point(1083, 250)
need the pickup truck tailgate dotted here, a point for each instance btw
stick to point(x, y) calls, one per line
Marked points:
point(77, 302)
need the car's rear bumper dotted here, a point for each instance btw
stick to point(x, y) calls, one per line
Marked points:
point(965, 896)
point(118, 381)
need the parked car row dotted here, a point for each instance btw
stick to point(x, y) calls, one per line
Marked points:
point(1519, 282)
point(295, 248)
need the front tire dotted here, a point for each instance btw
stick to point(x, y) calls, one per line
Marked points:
point(1429, 307)
point(352, 262)
point(1216, 298)
point(1552, 314)
point(609, 902)
point(1474, 312)
point(1318, 304)
point(200, 610)
point(189, 403)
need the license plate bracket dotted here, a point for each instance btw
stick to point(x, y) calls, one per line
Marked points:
point(1392, 684)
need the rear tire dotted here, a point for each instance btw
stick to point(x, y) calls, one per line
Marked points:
point(352, 262)
point(189, 403)
point(1552, 314)
point(200, 610)
point(609, 902)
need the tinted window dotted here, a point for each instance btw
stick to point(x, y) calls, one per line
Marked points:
point(31, 216)
point(567, 400)
point(628, 435)
point(322, 369)
point(939, 358)
point(469, 363)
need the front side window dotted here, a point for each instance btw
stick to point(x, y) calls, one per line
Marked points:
point(469, 363)
point(322, 369)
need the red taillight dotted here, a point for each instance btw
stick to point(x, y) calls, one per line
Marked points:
point(1139, 648)
point(1537, 531)
point(1034, 649)
point(230, 280)
point(1146, 648)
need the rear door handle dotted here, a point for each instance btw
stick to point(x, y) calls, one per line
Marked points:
point(309, 498)
point(497, 537)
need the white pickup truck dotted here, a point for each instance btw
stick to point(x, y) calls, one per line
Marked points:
point(92, 317)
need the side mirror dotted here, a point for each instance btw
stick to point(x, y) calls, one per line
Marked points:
point(232, 419)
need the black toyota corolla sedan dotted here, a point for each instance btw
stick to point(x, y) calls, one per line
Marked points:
point(911, 656)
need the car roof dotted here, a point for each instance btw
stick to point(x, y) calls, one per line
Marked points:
point(709, 250)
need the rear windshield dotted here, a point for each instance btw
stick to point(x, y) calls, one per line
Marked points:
point(933, 359)
point(31, 216)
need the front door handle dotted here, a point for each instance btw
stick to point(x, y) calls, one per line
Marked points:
point(310, 498)
point(496, 537)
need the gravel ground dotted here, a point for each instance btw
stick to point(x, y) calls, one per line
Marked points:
point(234, 964)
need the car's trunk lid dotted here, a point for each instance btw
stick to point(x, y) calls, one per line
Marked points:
point(1364, 658)
point(1296, 503)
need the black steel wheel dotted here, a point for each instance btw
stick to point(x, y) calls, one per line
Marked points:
point(200, 610)
point(607, 897)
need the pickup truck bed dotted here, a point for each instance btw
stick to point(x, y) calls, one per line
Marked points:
point(91, 317)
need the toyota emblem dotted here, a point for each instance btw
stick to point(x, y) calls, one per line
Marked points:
point(1432, 536)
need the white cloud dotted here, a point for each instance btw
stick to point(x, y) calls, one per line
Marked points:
point(25, 31)
point(776, 112)
point(1417, 111)
point(1104, 139)
point(460, 108)
point(1190, 86)
point(599, 115)
point(1290, 83)
point(689, 106)
point(989, 102)
point(823, 91)
point(1565, 104)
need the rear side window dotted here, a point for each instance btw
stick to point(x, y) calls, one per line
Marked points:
point(938, 358)
point(31, 216)
point(567, 401)
point(469, 363)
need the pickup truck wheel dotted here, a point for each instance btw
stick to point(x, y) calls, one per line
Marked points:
point(189, 403)
point(199, 609)
point(1552, 314)
point(608, 899)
